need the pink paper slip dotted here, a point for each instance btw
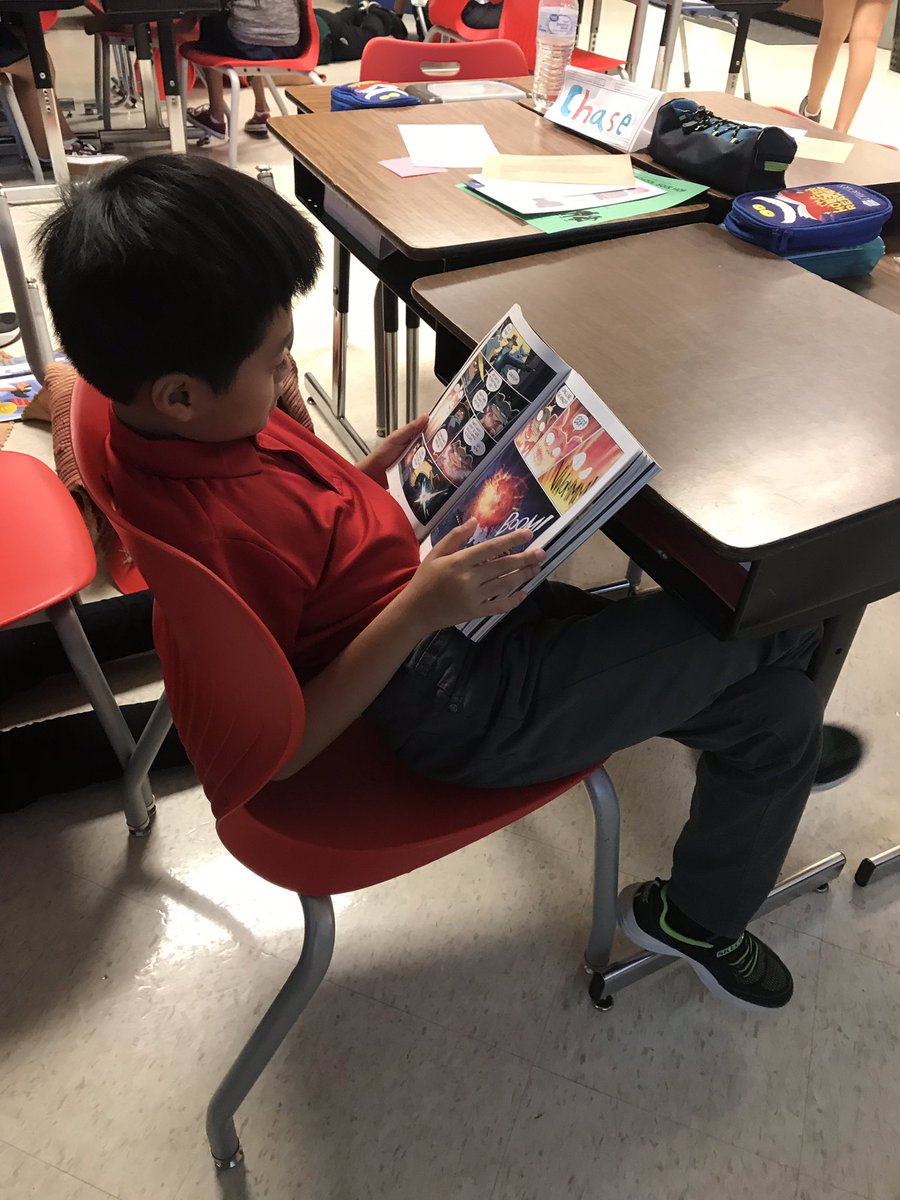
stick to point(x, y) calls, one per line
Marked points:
point(405, 168)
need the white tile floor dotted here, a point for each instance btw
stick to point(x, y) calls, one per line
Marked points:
point(452, 1052)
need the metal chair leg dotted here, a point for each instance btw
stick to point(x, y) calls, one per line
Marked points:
point(234, 110)
point(685, 63)
point(745, 73)
point(300, 987)
point(605, 803)
point(884, 863)
point(11, 103)
point(138, 811)
point(633, 575)
point(277, 96)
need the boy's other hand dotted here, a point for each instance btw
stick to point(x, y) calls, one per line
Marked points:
point(453, 585)
point(388, 450)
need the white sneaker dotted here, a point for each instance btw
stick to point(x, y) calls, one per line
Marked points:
point(84, 157)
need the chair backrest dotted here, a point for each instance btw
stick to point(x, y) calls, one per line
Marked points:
point(387, 60)
point(518, 23)
point(49, 18)
point(234, 698)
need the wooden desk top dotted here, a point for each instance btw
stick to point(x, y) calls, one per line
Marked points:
point(428, 217)
point(867, 164)
point(767, 395)
point(310, 98)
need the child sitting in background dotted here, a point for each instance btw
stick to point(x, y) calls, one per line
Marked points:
point(262, 30)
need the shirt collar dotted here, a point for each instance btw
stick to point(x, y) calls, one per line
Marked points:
point(178, 458)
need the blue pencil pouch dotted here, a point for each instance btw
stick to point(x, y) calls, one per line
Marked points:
point(370, 95)
point(820, 216)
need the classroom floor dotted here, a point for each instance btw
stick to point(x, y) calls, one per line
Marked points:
point(452, 1051)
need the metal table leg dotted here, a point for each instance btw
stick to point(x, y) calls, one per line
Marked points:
point(175, 112)
point(878, 865)
point(386, 326)
point(667, 46)
point(636, 40)
point(149, 91)
point(43, 81)
point(738, 50)
point(831, 654)
point(412, 364)
point(334, 405)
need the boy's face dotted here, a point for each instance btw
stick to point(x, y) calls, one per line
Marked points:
point(244, 409)
point(183, 406)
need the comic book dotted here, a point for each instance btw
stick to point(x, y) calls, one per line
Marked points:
point(518, 439)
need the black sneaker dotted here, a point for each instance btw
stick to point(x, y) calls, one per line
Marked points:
point(742, 970)
point(842, 752)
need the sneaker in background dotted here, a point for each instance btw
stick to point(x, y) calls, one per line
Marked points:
point(202, 118)
point(258, 124)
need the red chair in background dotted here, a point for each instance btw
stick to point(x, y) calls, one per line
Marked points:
point(518, 23)
point(237, 68)
point(387, 60)
point(352, 818)
point(46, 558)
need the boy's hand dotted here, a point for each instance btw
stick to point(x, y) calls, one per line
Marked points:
point(388, 450)
point(454, 585)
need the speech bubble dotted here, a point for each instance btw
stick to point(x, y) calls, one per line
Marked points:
point(472, 432)
point(564, 397)
point(478, 448)
point(418, 458)
point(493, 380)
point(508, 330)
point(440, 441)
point(479, 400)
point(513, 376)
point(580, 422)
point(578, 461)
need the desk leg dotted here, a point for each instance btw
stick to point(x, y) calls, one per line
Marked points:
point(386, 391)
point(671, 25)
point(149, 90)
point(26, 296)
point(738, 50)
point(334, 406)
point(169, 59)
point(636, 41)
point(43, 81)
point(831, 655)
point(412, 364)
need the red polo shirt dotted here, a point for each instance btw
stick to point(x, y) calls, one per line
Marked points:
point(313, 545)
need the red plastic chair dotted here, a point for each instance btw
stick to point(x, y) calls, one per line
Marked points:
point(388, 60)
point(518, 23)
point(46, 559)
point(353, 818)
point(49, 18)
point(237, 68)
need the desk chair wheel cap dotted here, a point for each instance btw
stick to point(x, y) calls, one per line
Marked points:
point(142, 830)
point(234, 1160)
point(864, 872)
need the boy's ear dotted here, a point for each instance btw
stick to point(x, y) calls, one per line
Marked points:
point(178, 397)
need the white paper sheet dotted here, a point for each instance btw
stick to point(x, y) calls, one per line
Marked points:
point(447, 145)
point(824, 150)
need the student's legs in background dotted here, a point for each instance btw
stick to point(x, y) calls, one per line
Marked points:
point(837, 17)
point(868, 22)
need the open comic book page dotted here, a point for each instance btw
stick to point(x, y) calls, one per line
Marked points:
point(556, 464)
point(506, 376)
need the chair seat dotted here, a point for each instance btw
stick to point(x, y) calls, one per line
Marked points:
point(201, 58)
point(385, 820)
point(45, 548)
point(595, 62)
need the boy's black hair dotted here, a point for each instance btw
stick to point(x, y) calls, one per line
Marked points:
point(171, 263)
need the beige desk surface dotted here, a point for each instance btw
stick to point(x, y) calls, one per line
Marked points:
point(429, 217)
point(768, 396)
point(868, 163)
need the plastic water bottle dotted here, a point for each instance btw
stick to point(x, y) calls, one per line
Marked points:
point(557, 28)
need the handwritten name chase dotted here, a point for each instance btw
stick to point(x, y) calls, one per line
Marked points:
point(588, 112)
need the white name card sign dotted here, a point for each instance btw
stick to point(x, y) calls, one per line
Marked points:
point(608, 110)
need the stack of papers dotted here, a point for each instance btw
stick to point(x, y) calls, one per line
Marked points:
point(538, 185)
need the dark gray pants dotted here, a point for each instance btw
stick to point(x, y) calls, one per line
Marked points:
point(570, 678)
